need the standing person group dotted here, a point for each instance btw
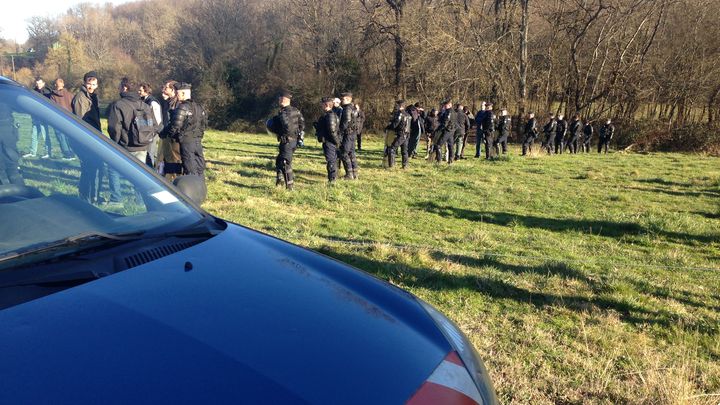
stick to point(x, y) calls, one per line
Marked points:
point(165, 135)
point(576, 137)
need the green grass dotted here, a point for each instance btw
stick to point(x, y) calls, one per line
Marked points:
point(580, 279)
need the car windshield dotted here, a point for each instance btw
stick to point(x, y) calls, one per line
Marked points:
point(62, 180)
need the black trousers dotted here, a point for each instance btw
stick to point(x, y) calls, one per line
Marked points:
point(9, 158)
point(586, 145)
point(330, 151)
point(572, 144)
point(359, 141)
point(403, 142)
point(490, 145)
point(413, 142)
point(283, 162)
point(501, 142)
point(348, 156)
point(191, 154)
point(559, 144)
point(603, 143)
point(448, 139)
point(549, 143)
point(528, 144)
point(479, 140)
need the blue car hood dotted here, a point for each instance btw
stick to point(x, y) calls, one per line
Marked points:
point(251, 319)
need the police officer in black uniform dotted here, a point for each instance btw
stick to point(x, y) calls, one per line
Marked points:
point(504, 125)
point(463, 126)
point(575, 133)
point(289, 127)
point(549, 131)
point(479, 131)
point(348, 134)
point(488, 124)
point(560, 132)
point(187, 126)
point(327, 130)
point(531, 132)
point(606, 133)
point(587, 136)
point(400, 122)
point(448, 122)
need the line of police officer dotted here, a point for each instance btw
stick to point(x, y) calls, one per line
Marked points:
point(447, 130)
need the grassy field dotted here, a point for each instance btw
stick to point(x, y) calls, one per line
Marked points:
point(580, 279)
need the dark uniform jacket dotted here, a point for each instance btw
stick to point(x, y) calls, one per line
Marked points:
point(348, 121)
point(588, 130)
point(431, 124)
point(328, 128)
point(576, 128)
point(85, 105)
point(504, 124)
point(549, 128)
point(488, 121)
point(561, 129)
point(288, 124)
point(531, 127)
point(187, 123)
point(401, 123)
point(448, 120)
point(607, 131)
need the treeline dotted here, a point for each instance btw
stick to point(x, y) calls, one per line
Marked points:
point(652, 65)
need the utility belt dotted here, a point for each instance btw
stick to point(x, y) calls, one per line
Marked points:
point(287, 139)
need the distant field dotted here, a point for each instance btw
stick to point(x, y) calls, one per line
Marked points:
point(580, 279)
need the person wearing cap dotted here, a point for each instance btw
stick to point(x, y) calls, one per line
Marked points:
point(327, 130)
point(431, 129)
point(549, 131)
point(462, 127)
point(479, 134)
point(531, 132)
point(85, 105)
point(560, 132)
point(488, 124)
point(400, 122)
point(287, 125)
point(606, 133)
point(417, 127)
point(448, 123)
point(587, 135)
point(504, 126)
point(575, 133)
point(360, 125)
point(187, 127)
point(348, 133)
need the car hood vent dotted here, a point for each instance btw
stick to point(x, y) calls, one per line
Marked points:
point(157, 252)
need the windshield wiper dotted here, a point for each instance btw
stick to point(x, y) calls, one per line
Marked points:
point(57, 279)
point(86, 238)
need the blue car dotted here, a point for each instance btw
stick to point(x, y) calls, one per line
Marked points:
point(153, 300)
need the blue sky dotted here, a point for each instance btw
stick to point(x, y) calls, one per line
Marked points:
point(13, 19)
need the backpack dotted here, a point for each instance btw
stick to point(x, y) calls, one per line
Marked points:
point(143, 127)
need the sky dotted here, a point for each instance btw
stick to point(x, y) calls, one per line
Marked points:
point(13, 19)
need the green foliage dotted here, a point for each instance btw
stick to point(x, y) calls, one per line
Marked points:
point(580, 279)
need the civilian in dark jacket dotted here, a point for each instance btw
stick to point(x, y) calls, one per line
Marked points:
point(462, 127)
point(479, 132)
point(587, 136)
point(431, 130)
point(63, 98)
point(560, 132)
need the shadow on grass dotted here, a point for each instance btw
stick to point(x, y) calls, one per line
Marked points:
point(253, 173)
point(675, 192)
point(708, 215)
point(421, 277)
point(595, 227)
point(248, 186)
point(219, 163)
